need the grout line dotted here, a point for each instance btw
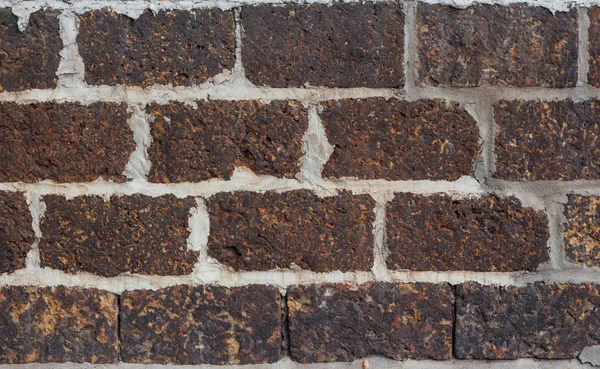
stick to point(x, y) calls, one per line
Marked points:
point(380, 270)
point(410, 46)
point(36, 209)
point(583, 52)
point(556, 219)
point(138, 165)
point(316, 147)
point(71, 69)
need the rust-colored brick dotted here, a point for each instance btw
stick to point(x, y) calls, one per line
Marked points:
point(129, 234)
point(515, 45)
point(57, 324)
point(594, 46)
point(484, 234)
point(582, 230)
point(399, 140)
point(339, 45)
point(16, 232)
point(195, 144)
point(64, 142)
point(342, 323)
point(177, 47)
point(201, 325)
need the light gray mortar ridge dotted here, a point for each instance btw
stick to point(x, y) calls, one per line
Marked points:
point(380, 270)
point(71, 71)
point(36, 209)
point(138, 165)
point(583, 52)
point(410, 47)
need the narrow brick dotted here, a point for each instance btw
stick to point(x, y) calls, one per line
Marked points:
point(517, 45)
point(251, 231)
point(176, 47)
point(594, 46)
point(57, 324)
point(483, 234)
point(338, 45)
point(582, 230)
point(16, 232)
point(201, 325)
point(399, 140)
point(129, 234)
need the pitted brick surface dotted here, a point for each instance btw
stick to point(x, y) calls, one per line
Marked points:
point(16, 232)
point(582, 230)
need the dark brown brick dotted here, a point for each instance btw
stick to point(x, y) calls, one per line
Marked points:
point(251, 231)
point(177, 47)
point(16, 232)
point(339, 45)
point(195, 144)
point(342, 323)
point(399, 140)
point(484, 234)
point(57, 324)
point(64, 142)
point(515, 45)
point(29, 59)
point(201, 325)
point(129, 234)
point(536, 321)
point(582, 230)
point(594, 46)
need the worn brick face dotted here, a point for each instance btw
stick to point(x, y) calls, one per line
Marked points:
point(16, 232)
point(594, 46)
point(582, 230)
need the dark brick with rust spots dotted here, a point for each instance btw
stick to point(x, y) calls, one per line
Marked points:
point(252, 231)
point(16, 232)
point(195, 144)
point(129, 234)
point(594, 46)
point(342, 322)
point(582, 230)
point(515, 45)
point(57, 324)
point(177, 47)
point(484, 234)
point(535, 321)
point(339, 45)
point(399, 140)
point(64, 142)
point(201, 325)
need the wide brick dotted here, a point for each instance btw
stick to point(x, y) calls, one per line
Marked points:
point(201, 325)
point(129, 234)
point(399, 140)
point(57, 324)
point(64, 142)
point(16, 232)
point(515, 45)
point(192, 144)
point(180, 48)
point(535, 321)
point(594, 46)
point(29, 59)
point(339, 45)
point(582, 230)
point(483, 234)
point(342, 323)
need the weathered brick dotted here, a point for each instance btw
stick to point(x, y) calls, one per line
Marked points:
point(16, 232)
point(129, 234)
point(342, 323)
point(535, 321)
point(484, 234)
point(57, 324)
point(399, 140)
point(176, 47)
point(201, 325)
point(594, 46)
point(64, 142)
point(582, 230)
point(339, 45)
point(515, 45)
point(195, 144)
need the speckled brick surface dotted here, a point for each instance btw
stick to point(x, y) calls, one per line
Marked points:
point(16, 231)
point(582, 230)
point(594, 46)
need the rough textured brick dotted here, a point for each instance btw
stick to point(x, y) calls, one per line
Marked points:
point(342, 323)
point(57, 324)
point(201, 325)
point(399, 140)
point(339, 45)
point(537, 321)
point(177, 47)
point(582, 230)
point(64, 142)
point(594, 46)
point(195, 144)
point(134, 234)
point(514, 45)
point(251, 231)
point(29, 59)
point(484, 234)
point(16, 232)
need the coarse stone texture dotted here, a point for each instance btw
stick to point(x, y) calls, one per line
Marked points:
point(29, 59)
point(128, 234)
point(176, 47)
point(57, 324)
point(399, 140)
point(594, 46)
point(337, 45)
point(535, 321)
point(16, 232)
point(517, 45)
point(582, 230)
point(192, 144)
point(252, 231)
point(342, 322)
point(484, 234)
point(64, 142)
point(201, 325)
